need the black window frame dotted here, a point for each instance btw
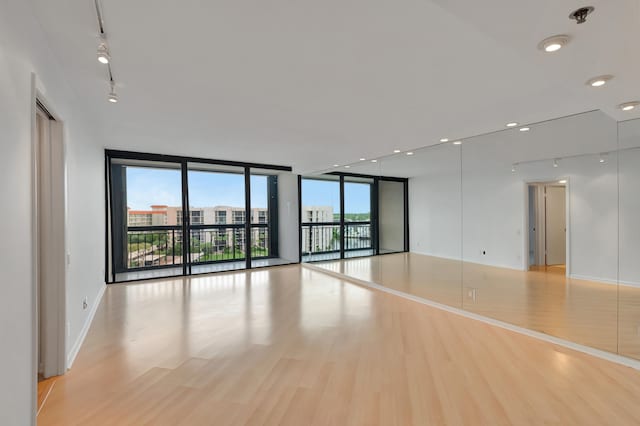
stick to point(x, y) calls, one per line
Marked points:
point(113, 222)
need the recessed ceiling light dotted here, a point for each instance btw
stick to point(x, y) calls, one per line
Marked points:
point(553, 43)
point(395, 151)
point(599, 81)
point(409, 153)
point(524, 129)
point(336, 165)
point(628, 106)
point(512, 124)
point(457, 143)
point(444, 140)
point(346, 167)
point(374, 161)
point(362, 159)
point(562, 181)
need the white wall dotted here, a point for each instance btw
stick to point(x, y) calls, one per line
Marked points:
point(494, 198)
point(435, 204)
point(288, 226)
point(24, 51)
point(391, 215)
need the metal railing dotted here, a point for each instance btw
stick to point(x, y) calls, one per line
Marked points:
point(357, 236)
point(149, 246)
point(324, 237)
point(158, 246)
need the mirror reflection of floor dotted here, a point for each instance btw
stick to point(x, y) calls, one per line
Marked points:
point(543, 299)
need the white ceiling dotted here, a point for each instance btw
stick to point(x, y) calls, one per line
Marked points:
point(314, 83)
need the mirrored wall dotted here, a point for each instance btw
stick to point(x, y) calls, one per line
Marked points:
point(536, 226)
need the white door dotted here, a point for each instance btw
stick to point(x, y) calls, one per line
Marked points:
point(555, 211)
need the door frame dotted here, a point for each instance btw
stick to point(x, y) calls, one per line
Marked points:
point(53, 238)
point(567, 186)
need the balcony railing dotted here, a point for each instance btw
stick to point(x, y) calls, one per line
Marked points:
point(324, 237)
point(149, 246)
point(157, 246)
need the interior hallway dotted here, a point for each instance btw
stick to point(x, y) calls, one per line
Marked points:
point(290, 345)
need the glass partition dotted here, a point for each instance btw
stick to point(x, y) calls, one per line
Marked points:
point(432, 269)
point(629, 235)
point(540, 221)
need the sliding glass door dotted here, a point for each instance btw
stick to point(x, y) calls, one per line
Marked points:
point(350, 215)
point(321, 218)
point(171, 216)
point(358, 229)
point(217, 235)
point(147, 239)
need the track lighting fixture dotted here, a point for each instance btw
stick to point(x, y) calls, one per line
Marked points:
point(113, 96)
point(513, 168)
point(603, 158)
point(555, 162)
point(103, 52)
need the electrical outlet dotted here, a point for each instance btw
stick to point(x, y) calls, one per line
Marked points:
point(472, 293)
point(85, 303)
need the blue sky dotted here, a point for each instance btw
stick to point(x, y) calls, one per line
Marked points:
point(147, 186)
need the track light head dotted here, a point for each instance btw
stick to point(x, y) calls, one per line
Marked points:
point(103, 53)
point(113, 96)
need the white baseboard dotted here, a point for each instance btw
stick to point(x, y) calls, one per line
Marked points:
point(73, 352)
point(609, 356)
point(456, 258)
point(594, 279)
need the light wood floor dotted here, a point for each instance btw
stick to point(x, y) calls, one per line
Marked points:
point(584, 312)
point(44, 388)
point(293, 346)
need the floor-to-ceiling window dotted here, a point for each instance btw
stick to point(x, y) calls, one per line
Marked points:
point(347, 215)
point(359, 238)
point(217, 237)
point(320, 218)
point(172, 216)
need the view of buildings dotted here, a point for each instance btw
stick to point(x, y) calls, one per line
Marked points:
point(212, 242)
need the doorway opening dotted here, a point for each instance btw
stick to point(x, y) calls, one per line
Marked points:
point(49, 220)
point(547, 222)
